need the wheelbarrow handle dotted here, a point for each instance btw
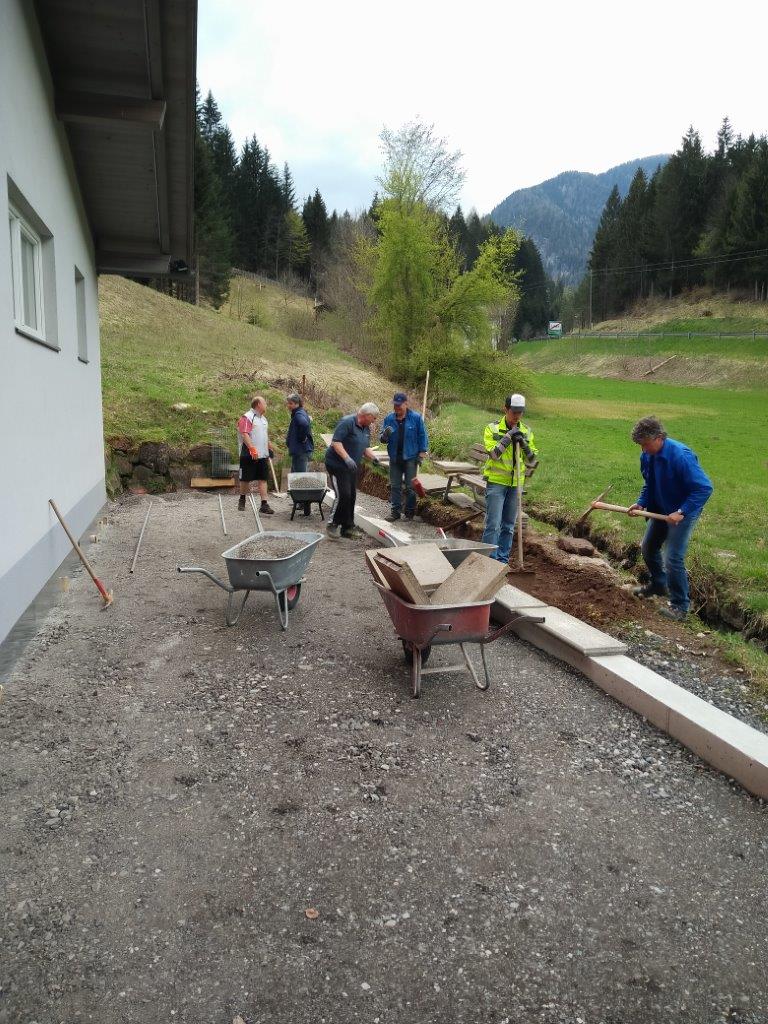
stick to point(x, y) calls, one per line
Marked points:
point(490, 637)
point(194, 568)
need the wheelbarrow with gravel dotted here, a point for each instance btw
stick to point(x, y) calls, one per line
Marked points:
point(419, 627)
point(275, 562)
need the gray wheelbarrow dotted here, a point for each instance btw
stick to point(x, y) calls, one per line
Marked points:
point(281, 576)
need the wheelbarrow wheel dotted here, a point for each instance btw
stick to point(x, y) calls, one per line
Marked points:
point(289, 597)
point(408, 652)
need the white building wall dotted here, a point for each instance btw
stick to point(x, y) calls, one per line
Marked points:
point(51, 437)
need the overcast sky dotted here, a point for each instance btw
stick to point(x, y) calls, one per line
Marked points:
point(525, 91)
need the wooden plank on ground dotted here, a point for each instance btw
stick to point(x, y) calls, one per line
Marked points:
point(460, 500)
point(402, 581)
point(432, 483)
point(207, 481)
point(427, 562)
point(477, 578)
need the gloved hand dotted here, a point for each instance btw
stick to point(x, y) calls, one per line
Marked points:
point(515, 434)
point(376, 461)
point(253, 452)
point(271, 452)
point(387, 432)
point(350, 463)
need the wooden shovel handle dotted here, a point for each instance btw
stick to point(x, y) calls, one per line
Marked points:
point(624, 508)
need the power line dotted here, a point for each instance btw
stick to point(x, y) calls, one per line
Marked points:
point(694, 262)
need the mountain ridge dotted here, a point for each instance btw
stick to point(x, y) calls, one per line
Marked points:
point(562, 213)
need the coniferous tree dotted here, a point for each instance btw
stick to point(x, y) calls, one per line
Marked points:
point(533, 309)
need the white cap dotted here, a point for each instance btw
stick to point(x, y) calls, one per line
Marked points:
point(515, 402)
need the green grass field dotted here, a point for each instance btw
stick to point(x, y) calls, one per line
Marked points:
point(582, 426)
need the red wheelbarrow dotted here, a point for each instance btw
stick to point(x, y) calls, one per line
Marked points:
point(421, 626)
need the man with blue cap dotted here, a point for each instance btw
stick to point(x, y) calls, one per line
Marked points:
point(407, 444)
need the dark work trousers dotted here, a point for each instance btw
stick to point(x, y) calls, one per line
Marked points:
point(407, 469)
point(299, 463)
point(344, 482)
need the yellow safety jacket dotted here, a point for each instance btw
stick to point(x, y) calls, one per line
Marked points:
point(501, 471)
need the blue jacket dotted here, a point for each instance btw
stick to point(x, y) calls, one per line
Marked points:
point(674, 480)
point(299, 437)
point(416, 439)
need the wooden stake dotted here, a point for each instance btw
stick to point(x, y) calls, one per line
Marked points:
point(424, 400)
point(107, 596)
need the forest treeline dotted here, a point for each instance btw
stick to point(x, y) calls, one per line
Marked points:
point(247, 215)
point(701, 219)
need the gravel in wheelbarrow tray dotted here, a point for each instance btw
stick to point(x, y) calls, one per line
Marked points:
point(270, 547)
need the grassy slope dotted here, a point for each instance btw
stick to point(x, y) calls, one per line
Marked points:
point(157, 351)
point(582, 428)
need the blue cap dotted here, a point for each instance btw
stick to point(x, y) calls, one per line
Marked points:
point(399, 398)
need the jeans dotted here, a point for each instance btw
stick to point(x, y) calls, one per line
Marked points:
point(408, 468)
point(344, 483)
point(669, 572)
point(299, 463)
point(500, 518)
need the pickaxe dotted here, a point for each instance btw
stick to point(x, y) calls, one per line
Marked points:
point(597, 503)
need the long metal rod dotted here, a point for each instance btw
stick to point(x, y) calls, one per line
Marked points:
point(221, 513)
point(141, 537)
point(255, 513)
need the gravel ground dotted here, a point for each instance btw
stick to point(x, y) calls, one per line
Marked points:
point(176, 796)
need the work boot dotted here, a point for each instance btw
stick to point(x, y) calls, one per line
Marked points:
point(241, 503)
point(307, 509)
point(392, 517)
point(265, 510)
point(351, 533)
point(333, 531)
point(676, 614)
point(409, 515)
point(649, 590)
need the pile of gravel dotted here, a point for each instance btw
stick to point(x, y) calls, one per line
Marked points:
point(307, 481)
point(271, 547)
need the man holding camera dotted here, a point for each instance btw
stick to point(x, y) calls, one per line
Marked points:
point(510, 448)
point(407, 444)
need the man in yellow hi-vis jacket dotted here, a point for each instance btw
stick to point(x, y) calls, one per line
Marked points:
point(510, 445)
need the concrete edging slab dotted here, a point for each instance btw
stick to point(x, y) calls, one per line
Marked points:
point(724, 742)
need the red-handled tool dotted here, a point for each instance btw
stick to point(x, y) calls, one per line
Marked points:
point(106, 595)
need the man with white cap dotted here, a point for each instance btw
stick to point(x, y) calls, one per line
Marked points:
point(510, 445)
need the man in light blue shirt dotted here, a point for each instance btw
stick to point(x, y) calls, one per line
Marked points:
point(677, 487)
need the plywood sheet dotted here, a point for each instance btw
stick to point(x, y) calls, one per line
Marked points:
point(477, 578)
point(427, 562)
point(401, 580)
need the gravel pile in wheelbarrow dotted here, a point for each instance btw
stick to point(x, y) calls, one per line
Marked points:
point(307, 481)
point(271, 547)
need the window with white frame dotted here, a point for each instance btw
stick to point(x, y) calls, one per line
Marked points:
point(27, 273)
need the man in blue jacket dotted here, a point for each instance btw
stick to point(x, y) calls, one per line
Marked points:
point(676, 486)
point(299, 440)
point(407, 444)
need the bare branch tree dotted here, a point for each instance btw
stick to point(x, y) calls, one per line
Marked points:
point(418, 168)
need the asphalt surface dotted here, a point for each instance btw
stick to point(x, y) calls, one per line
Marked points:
point(178, 795)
